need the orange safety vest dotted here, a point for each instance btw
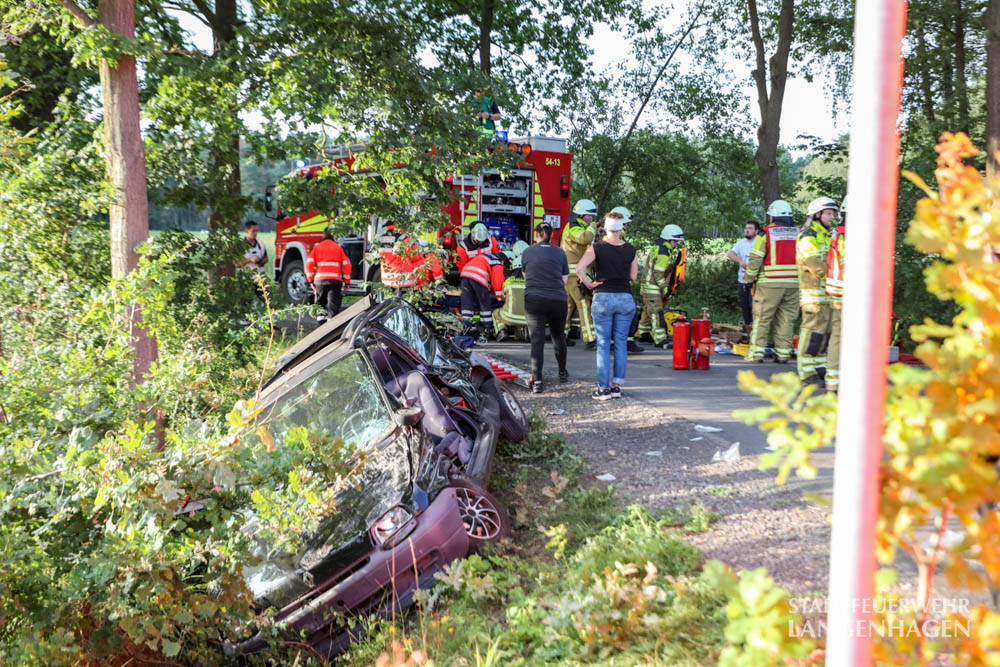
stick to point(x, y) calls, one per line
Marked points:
point(779, 253)
point(327, 261)
point(467, 251)
point(835, 264)
point(486, 269)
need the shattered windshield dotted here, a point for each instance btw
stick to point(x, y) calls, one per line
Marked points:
point(404, 321)
point(340, 401)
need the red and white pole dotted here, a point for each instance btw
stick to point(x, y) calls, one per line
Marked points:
point(872, 182)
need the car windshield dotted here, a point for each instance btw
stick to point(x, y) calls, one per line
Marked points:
point(406, 323)
point(340, 401)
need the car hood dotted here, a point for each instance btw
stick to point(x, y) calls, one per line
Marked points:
point(341, 540)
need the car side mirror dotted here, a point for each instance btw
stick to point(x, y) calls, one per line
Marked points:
point(408, 416)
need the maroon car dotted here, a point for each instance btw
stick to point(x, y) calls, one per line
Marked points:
point(427, 415)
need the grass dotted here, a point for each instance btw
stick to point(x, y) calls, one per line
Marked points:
point(582, 579)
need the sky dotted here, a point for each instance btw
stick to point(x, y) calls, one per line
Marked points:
point(800, 113)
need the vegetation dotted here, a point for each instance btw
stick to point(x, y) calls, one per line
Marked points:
point(941, 438)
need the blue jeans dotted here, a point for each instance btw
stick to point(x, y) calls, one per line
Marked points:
point(612, 313)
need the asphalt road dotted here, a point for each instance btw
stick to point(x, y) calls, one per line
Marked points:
point(703, 397)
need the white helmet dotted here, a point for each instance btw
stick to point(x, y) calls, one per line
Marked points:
point(479, 232)
point(518, 248)
point(672, 233)
point(779, 208)
point(821, 204)
point(624, 212)
point(585, 207)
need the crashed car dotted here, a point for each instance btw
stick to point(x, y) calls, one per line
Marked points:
point(428, 415)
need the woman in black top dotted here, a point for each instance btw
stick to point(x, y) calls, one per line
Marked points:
point(545, 273)
point(613, 308)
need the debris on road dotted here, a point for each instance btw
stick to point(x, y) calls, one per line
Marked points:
point(606, 477)
point(707, 429)
point(557, 412)
point(697, 439)
point(654, 453)
point(730, 455)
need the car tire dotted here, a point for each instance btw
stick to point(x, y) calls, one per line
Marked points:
point(484, 517)
point(513, 421)
point(294, 284)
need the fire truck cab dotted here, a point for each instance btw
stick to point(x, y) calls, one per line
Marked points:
point(536, 191)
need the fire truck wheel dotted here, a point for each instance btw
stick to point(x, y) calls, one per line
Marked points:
point(294, 283)
point(374, 278)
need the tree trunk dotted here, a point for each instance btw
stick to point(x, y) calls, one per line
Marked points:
point(992, 19)
point(770, 103)
point(223, 219)
point(485, 29)
point(961, 88)
point(926, 87)
point(126, 164)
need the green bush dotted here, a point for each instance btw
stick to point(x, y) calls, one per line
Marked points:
point(709, 282)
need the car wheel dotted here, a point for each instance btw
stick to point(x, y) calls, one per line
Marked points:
point(483, 516)
point(513, 421)
point(294, 283)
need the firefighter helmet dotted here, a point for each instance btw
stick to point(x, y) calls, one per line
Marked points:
point(779, 208)
point(624, 212)
point(518, 248)
point(585, 207)
point(821, 204)
point(480, 233)
point(672, 233)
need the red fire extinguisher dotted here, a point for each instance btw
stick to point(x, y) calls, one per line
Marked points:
point(702, 345)
point(682, 337)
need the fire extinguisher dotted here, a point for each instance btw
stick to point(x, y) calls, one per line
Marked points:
point(682, 337)
point(702, 345)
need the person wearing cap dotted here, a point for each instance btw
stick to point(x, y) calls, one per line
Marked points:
point(576, 240)
point(774, 283)
point(615, 266)
point(546, 271)
point(478, 241)
point(810, 257)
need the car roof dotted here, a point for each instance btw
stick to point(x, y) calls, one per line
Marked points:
point(311, 365)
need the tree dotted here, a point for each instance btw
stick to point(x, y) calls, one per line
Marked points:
point(770, 101)
point(992, 22)
point(126, 158)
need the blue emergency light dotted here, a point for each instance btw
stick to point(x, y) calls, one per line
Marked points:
point(501, 135)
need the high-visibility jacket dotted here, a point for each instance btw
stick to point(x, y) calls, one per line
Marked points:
point(410, 268)
point(810, 257)
point(835, 266)
point(772, 257)
point(662, 269)
point(327, 261)
point(468, 249)
point(576, 238)
point(512, 312)
point(487, 270)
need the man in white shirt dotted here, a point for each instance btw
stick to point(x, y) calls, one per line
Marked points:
point(255, 255)
point(741, 255)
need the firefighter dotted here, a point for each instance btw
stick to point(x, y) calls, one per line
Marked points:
point(576, 238)
point(482, 279)
point(408, 266)
point(835, 290)
point(488, 115)
point(328, 269)
point(810, 257)
point(774, 283)
point(511, 315)
point(661, 269)
point(478, 241)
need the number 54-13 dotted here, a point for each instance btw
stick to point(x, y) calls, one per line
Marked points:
point(552, 160)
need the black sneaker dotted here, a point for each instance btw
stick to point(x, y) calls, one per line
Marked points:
point(634, 348)
point(536, 387)
point(602, 394)
point(616, 391)
point(592, 345)
point(563, 377)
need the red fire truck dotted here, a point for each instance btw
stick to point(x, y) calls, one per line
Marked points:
point(536, 191)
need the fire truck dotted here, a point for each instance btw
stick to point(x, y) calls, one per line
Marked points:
point(510, 205)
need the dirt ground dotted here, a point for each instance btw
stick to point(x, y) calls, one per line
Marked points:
point(664, 463)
